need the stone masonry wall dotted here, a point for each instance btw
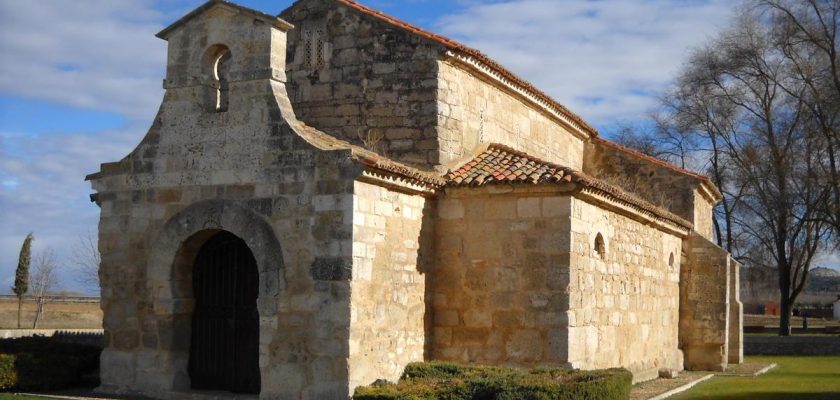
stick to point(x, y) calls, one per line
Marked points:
point(498, 289)
point(391, 247)
point(736, 314)
point(661, 186)
point(472, 111)
point(704, 305)
point(364, 80)
point(703, 216)
point(245, 171)
point(624, 298)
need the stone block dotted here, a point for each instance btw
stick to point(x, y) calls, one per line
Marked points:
point(450, 209)
point(447, 318)
point(528, 207)
point(524, 346)
point(330, 269)
point(553, 207)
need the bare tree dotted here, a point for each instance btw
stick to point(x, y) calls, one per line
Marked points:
point(806, 34)
point(738, 95)
point(86, 260)
point(660, 139)
point(44, 280)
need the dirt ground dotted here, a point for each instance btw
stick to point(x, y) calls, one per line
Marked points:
point(57, 315)
point(772, 320)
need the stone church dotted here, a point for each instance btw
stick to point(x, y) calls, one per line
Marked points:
point(329, 194)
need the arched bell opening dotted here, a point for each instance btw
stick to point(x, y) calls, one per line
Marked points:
point(218, 60)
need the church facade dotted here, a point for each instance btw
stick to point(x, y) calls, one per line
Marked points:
point(329, 194)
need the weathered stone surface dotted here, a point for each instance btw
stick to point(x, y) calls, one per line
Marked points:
point(704, 305)
point(362, 270)
point(624, 303)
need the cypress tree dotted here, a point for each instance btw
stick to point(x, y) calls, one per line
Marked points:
point(22, 272)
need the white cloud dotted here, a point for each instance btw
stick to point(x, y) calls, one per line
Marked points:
point(97, 54)
point(602, 59)
point(50, 196)
point(827, 259)
point(94, 54)
point(599, 58)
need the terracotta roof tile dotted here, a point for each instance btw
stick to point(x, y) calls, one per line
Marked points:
point(459, 47)
point(500, 164)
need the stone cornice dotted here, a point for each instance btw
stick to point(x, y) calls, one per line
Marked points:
point(395, 182)
point(605, 200)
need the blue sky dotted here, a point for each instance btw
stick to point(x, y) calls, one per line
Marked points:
point(80, 81)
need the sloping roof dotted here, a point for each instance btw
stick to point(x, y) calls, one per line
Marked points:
point(366, 157)
point(653, 160)
point(209, 4)
point(500, 164)
point(455, 46)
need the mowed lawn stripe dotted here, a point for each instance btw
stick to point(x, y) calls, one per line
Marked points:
point(795, 378)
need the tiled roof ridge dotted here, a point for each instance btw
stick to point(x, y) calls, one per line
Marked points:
point(654, 160)
point(376, 161)
point(715, 191)
point(483, 58)
point(548, 172)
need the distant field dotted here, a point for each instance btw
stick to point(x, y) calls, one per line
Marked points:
point(57, 315)
point(771, 320)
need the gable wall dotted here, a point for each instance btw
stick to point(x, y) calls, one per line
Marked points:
point(473, 111)
point(242, 168)
point(371, 82)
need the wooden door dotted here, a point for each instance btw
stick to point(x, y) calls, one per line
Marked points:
point(224, 350)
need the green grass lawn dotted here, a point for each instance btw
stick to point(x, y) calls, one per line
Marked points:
point(9, 396)
point(795, 378)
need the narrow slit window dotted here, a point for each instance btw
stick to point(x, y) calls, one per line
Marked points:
point(218, 61)
point(600, 246)
point(222, 71)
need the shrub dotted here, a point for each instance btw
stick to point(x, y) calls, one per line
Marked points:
point(435, 380)
point(42, 363)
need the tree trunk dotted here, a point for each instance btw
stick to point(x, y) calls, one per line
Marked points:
point(784, 303)
point(20, 307)
point(39, 307)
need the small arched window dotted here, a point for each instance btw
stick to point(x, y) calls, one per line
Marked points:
point(600, 246)
point(671, 260)
point(219, 58)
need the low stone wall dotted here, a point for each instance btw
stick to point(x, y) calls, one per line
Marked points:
point(792, 345)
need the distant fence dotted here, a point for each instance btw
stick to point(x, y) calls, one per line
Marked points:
point(792, 345)
point(69, 299)
point(813, 329)
point(90, 337)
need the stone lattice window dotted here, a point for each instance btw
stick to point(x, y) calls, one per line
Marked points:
point(313, 49)
point(600, 246)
